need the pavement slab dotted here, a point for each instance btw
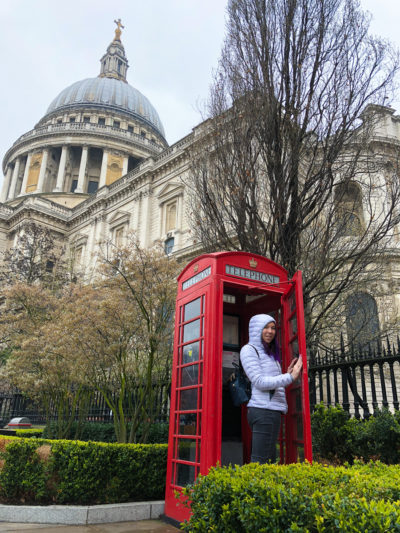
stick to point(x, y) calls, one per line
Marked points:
point(145, 526)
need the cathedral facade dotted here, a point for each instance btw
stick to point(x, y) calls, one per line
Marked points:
point(97, 166)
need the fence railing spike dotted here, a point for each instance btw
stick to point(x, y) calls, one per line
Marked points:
point(389, 350)
point(379, 347)
point(342, 348)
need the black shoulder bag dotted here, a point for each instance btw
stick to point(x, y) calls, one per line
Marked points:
point(240, 386)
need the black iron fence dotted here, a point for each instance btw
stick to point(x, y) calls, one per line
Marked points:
point(13, 404)
point(361, 381)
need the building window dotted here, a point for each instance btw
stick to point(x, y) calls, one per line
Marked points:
point(102, 121)
point(169, 245)
point(350, 224)
point(143, 134)
point(349, 209)
point(74, 185)
point(93, 186)
point(170, 217)
point(78, 253)
point(86, 119)
point(119, 236)
point(130, 129)
point(117, 124)
point(59, 121)
point(362, 320)
point(72, 119)
point(49, 266)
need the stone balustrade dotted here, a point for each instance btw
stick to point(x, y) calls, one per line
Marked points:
point(82, 127)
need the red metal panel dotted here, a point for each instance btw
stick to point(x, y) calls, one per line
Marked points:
point(186, 410)
point(298, 442)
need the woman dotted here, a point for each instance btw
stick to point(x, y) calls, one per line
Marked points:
point(261, 362)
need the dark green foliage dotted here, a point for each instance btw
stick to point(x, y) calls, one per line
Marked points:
point(383, 437)
point(298, 497)
point(84, 431)
point(73, 472)
point(340, 438)
point(329, 432)
point(158, 433)
point(105, 432)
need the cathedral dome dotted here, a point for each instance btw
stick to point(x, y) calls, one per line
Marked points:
point(93, 133)
point(107, 93)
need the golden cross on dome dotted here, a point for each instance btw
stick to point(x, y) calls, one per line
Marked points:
point(118, 30)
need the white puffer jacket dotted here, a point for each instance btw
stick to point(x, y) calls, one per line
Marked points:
point(263, 371)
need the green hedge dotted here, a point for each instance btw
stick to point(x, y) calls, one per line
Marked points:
point(94, 431)
point(340, 438)
point(105, 432)
point(73, 472)
point(298, 497)
point(29, 433)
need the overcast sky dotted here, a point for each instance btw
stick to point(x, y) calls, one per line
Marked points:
point(172, 47)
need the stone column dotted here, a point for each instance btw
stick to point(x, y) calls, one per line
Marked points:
point(26, 174)
point(103, 172)
point(125, 166)
point(145, 207)
point(42, 173)
point(6, 185)
point(82, 169)
point(179, 223)
point(14, 179)
point(61, 170)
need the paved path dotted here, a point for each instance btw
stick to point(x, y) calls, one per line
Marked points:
point(145, 526)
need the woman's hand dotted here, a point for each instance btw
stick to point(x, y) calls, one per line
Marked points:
point(295, 367)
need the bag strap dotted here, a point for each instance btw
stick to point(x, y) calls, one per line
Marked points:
point(252, 345)
point(271, 392)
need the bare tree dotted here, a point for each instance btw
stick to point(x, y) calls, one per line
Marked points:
point(284, 167)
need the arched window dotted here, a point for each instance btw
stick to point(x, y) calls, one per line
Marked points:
point(349, 210)
point(170, 223)
point(362, 320)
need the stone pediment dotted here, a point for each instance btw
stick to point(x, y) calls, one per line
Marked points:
point(79, 240)
point(119, 218)
point(169, 191)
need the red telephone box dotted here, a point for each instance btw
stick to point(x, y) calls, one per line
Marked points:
point(218, 293)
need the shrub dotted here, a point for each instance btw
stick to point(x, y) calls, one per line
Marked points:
point(297, 497)
point(382, 435)
point(73, 472)
point(29, 433)
point(158, 433)
point(84, 431)
point(89, 472)
point(24, 475)
point(337, 437)
point(104, 432)
point(330, 431)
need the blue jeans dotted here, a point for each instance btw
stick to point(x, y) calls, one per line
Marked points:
point(265, 425)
